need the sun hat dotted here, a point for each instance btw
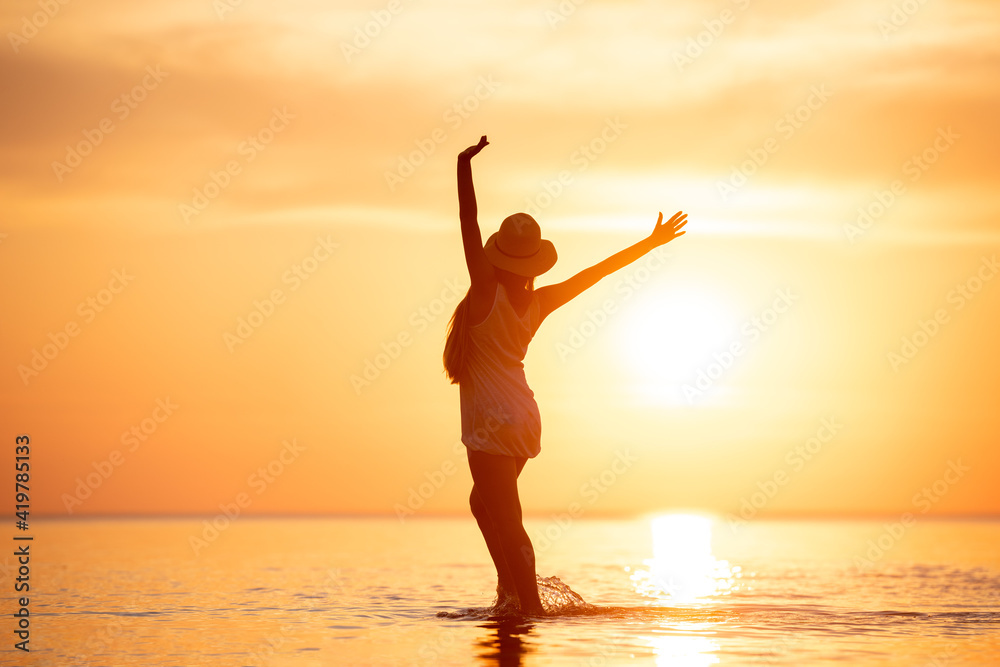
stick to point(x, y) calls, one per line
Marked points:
point(519, 247)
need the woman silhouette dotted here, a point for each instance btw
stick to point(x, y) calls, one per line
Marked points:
point(487, 339)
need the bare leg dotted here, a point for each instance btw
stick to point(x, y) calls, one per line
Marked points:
point(506, 591)
point(495, 479)
point(505, 581)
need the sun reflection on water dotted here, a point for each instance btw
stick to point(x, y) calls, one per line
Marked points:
point(683, 568)
point(685, 651)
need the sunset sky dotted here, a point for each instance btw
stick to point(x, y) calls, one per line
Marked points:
point(230, 246)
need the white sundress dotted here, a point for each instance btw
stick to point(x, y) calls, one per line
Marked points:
point(499, 412)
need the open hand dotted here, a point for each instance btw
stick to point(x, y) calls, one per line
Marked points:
point(664, 232)
point(471, 151)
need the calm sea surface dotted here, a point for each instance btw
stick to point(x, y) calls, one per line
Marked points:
point(667, 590)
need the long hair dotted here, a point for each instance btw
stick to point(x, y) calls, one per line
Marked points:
point(457, 342)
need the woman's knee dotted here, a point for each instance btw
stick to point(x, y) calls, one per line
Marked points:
point(504, 516)
point(477, 505)
point(508, 523)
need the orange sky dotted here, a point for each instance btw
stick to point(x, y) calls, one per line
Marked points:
point(170, 170)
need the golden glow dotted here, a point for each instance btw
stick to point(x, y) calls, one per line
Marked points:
point(683, 569)
point(668, 334)
point(598, 126)
point(686, 650)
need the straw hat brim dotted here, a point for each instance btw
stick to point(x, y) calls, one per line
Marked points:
point(530, 266)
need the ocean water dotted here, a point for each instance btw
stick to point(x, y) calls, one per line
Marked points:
point(671, 589)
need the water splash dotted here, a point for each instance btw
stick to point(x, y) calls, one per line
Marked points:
point(558, 599)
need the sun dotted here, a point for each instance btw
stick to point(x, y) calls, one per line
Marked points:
point(669, 334)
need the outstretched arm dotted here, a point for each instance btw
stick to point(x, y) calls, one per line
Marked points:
point(553, 296)
point(480, 269)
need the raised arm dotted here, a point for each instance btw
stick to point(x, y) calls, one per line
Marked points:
point(553, 296)
point(480, 269)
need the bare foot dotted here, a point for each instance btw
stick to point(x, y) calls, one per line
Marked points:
point(507, 598)
point(533, 611)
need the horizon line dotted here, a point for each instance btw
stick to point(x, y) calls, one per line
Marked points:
point(601, 516)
